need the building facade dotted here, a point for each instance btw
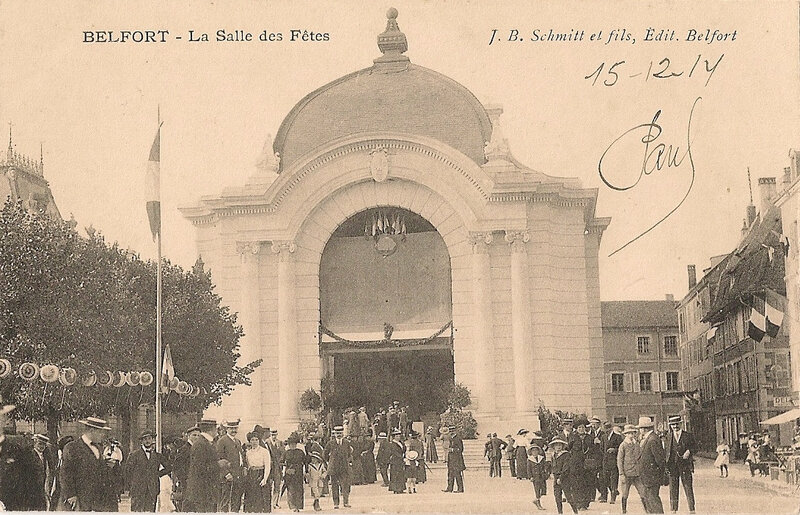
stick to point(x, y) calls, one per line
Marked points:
point(392, 234)
point(22, 178)
point(735, 363)
point(642, 367)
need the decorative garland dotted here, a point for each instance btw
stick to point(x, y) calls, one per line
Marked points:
point(387, 340)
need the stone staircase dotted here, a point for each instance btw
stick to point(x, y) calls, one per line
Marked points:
point(473, 456)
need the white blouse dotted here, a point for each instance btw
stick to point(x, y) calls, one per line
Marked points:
point(259, 457)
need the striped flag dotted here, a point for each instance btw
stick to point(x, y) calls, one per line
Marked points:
point(167, 371)
point(773, 309)
point(154, 185)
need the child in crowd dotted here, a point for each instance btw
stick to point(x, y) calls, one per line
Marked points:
point(316, 476)
point(538, 471)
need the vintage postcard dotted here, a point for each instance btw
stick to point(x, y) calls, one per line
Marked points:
point(301, 256)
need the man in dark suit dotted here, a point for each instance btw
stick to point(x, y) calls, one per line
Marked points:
point(179, 465)
point(230, 449)
point(18, 492)
point(339, 455)
point(382, 458)
point(143, 469)
point(202, 482)
point(653, 465)
point(84, 474)
point(612, 438)
point(276, 450)
point(498, 446)
point(680, 449)
point(56, 493)
point(45, 463)
point(455, 463)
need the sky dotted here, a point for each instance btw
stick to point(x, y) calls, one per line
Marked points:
point(93, 106)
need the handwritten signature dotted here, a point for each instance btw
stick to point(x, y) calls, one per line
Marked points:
point(657, 156)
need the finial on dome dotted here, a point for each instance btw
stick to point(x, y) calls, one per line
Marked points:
point(392, 42)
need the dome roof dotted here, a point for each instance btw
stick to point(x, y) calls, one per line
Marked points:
point(393, 95)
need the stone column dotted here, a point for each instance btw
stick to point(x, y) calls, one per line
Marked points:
point(482, 320)
point(520, 315)
point(287, 335)
point(250, 318)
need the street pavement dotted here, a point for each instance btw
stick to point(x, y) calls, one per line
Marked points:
point(738, 493)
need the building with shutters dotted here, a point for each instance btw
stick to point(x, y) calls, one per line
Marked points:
point(738, 374)
point(641, 363)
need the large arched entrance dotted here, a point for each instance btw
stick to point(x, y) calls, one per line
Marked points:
point(386, 313)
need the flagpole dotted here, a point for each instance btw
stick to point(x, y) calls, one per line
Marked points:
point(158, 319)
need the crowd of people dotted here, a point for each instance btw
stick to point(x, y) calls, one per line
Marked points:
point(594, 462)
point(212, 469)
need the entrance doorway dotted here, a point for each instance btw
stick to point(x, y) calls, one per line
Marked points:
point(386, 313)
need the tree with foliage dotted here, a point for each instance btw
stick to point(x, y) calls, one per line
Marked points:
point(550, 422)
point(82, 303)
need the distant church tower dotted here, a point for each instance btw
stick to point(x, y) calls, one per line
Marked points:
point(22, 178)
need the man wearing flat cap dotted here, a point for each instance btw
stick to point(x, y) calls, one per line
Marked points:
point(202, 482)
point(84, 474)
point(143, 471)
point(17, 468)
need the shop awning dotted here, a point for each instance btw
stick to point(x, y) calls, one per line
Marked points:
point(783, 418)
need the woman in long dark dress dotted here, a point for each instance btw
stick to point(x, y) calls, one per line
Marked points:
point(397, 466)
point(295, 461)
point(368, 459)
point(431, 456)
point(522, 456)
point(356, 470)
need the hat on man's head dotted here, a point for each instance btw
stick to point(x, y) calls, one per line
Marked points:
point(452, 428)
point(258, 429)
point(645, 423)
point(630, 428)
point(396, 432)
point(338, 429)
point(381, 435)
point(412, 455)
point(557, 440)
point(567, 420)
point(41, 438)
point(192, 429)
point(675, 419)
point(95, 423)
point(522, 432)
point(144, 434)
point(607, 424)
point(207, 424)
point(233, 424)
point(595, 419)
point(273, 432)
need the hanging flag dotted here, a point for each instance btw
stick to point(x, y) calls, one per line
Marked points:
point(774, 312)
point(757, 326)
point(712, 333)
point(153, 181)
point(167, 371)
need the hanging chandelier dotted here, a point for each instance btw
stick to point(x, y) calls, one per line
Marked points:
point(387, 228)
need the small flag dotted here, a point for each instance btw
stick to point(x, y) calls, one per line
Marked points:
point(153, 179)
point(757, 327)
point(774, 313)
point(167, 371)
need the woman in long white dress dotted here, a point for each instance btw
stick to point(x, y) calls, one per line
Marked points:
point(723, 458)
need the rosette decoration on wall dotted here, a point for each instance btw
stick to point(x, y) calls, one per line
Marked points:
point(5, 368)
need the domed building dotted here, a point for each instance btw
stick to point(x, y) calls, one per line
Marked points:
point(390, 245)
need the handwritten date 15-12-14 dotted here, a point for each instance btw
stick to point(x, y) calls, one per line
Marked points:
point(663, 69)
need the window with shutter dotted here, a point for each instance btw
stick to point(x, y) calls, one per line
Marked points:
point(609, 387)
point(656, 381)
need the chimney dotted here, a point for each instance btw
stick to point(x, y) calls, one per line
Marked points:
point(669, 297)
point(794, 162)
point(787, 176)
point(767, 190)
point(692, 276)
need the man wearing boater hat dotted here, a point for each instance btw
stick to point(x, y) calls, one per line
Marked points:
point(229, 448)
point(83, 473)
point(653, 465)
point(143, 471)
point(339, 455)
point(680, 448)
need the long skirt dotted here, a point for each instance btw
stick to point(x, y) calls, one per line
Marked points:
point(357, 473)
point(257, 498)
point(431, 456)
point(397, 478)
point(422, 474)
point(294, 493)
point(368, 467)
